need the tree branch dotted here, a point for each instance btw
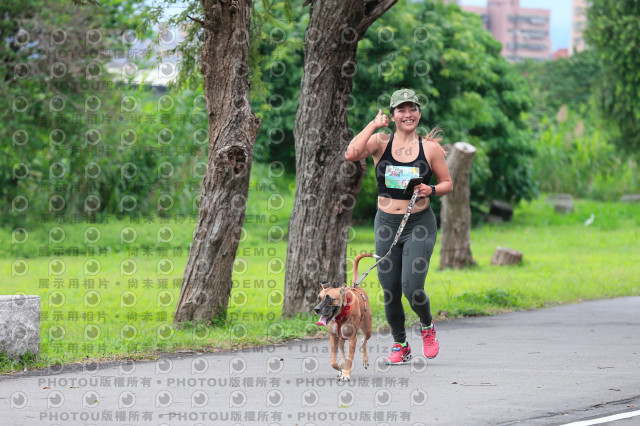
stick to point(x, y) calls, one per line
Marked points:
point(199, 21)
point(373, 10)
point(86, 2)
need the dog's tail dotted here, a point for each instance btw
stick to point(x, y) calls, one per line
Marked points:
point(355, 264)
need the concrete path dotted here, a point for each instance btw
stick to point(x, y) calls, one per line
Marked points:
point(550, 366)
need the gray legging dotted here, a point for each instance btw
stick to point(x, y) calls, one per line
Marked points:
point(405, 270)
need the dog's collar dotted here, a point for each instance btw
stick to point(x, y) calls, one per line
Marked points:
point(345, 312)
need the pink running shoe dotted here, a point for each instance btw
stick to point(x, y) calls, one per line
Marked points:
point(431, 346)
point(399, 354)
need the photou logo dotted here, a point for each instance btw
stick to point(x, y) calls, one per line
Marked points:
point(237, 399)
point(418, 397)
point(126, 367)
point(310, 365)
point(164, 299)
point(199, 399)
point(90, 400)
point(274, 365)
point(19, 268)
point(382, 397)
point(275, 398)
point(127, 400)
point(91, 332)
point(164, 399)
point(128, 267)
point(92, 267)
point(128, 299)
point(199, 365)
point(346, 398)
point(165, 331)
point(310, 398)
point(237, 365)
point(18, 400)
point(92, 299)
point(56, 299)
point(55, 399)
point(163, 366)
point(128, 332)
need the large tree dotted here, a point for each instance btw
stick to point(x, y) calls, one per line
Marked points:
point(613, 29)
point(224, 63)
point(326, 184)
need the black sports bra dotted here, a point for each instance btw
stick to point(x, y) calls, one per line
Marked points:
point(392, 175)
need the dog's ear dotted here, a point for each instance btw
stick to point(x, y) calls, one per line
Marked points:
point(325, 286)
point(343, 289)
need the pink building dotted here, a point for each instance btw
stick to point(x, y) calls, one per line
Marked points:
point(560, 53)
point(578, 25)
point(523, 32)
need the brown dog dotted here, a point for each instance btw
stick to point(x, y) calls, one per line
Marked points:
point(344, 310)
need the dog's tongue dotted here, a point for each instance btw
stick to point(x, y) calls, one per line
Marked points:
point(323, 320)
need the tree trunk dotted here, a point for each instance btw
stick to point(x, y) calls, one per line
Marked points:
point(326, 184)
point(505, 256)
point(455, 249)
point(233, 128)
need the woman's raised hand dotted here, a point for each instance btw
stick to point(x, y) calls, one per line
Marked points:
point(381, 120)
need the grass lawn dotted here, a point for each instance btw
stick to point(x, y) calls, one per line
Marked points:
point(108, 290)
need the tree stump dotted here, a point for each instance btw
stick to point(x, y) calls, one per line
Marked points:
point(505, 256)
point(630, 198)
point(502, 210)
point(455, 214)
point(562, 203)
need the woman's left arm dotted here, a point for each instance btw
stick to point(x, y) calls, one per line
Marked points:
point(439, 168)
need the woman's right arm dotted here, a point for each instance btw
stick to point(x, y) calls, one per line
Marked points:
point(366, 142)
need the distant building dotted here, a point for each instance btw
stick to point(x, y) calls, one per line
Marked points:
point(523, 32)
point(578, 25)
point(130, 64)
point(560, 53)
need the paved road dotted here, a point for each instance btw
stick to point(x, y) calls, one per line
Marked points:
point(550, 366)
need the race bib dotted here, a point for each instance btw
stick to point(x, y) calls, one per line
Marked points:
point(399, 176)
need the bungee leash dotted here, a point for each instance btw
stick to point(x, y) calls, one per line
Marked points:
point(414, 198)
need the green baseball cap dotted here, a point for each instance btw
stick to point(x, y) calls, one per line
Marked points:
point(403, 95)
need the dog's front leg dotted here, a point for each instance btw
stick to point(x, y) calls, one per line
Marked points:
point(367, 326)
point(334, 342)
point(346, 370)
point(365, 352)
point(341, 347)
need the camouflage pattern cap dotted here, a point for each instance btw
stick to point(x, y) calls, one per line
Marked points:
point(402, 96)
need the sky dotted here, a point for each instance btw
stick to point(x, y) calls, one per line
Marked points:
point(560, 18)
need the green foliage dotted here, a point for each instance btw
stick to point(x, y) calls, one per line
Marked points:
point(575, 156)
point(437, 49)
point(466, 87)
point(280, 53)
point(189, 48)
point(50, 64)
point(575, 144)
point(566, 81)
point(265, 14)
point(613, 29)
point(135, 163)
point(442, 53)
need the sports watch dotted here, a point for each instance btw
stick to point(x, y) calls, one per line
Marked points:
point(433, 191)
